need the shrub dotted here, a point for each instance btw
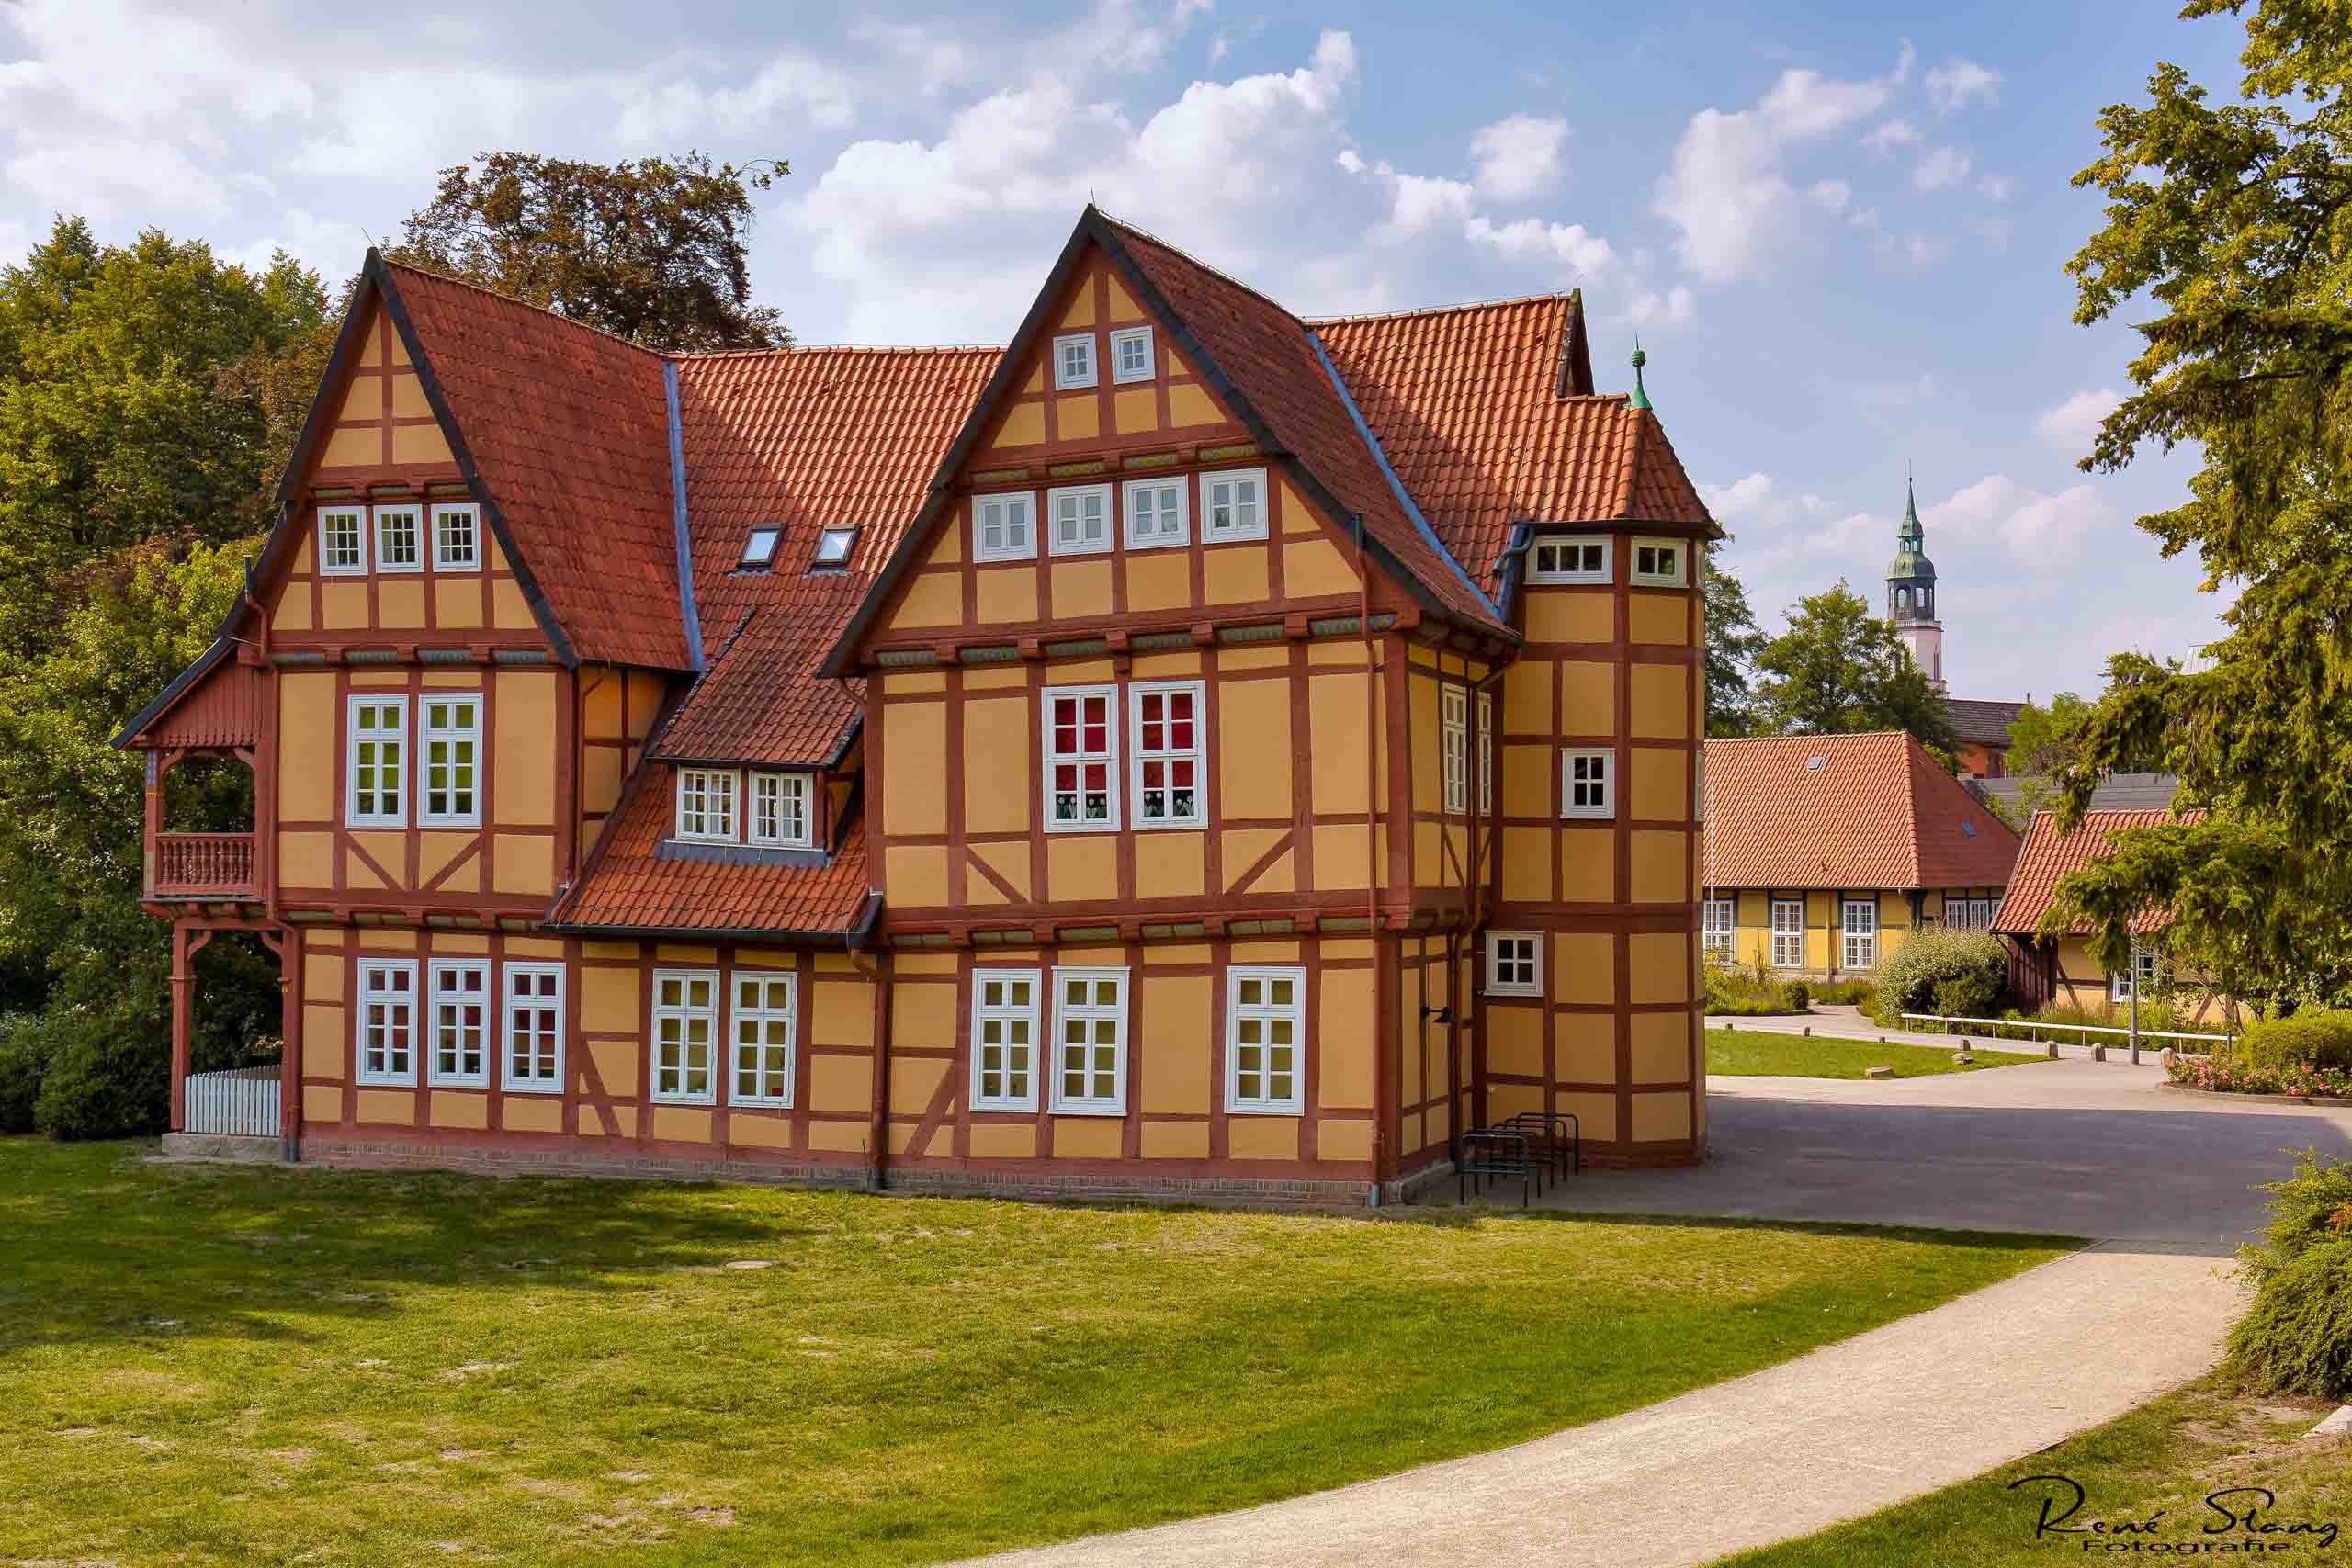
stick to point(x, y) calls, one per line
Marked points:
point(1797, 997)
point(106, 1078)
point(24, 1056)
point(1749, 991)
point(1848, 993)
point(2297, 1337)
point(1957, 972)
point(2322, 1040)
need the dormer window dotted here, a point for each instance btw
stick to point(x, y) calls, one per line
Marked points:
point(1659, 562)
point(1073, 361)
point(706, 805)
point(758, 549)
point(1569, 560)
point(833, 547)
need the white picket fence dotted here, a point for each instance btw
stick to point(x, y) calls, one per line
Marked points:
point(241, 1103)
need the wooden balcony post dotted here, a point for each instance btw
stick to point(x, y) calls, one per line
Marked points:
point(183, 999)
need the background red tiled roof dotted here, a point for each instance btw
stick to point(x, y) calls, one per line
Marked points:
point(1464, 403)
point(803, 438)
point(1270, 355)
point(630, 887)
point(2050, 855)
point(569, 429)
point(1877, 813)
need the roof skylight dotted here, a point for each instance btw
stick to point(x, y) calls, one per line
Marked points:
point(833, 545)
point(759, 549)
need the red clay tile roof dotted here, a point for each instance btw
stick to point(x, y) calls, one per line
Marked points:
point(2050, 855)
point(1271, 359)
point(631, 887)
point(804, 438)
point(568, 428)
point(1877, 813)
point(1464, 402)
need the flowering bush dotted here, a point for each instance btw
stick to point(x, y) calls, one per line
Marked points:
point(2297, 1337)
point(2229, 1073)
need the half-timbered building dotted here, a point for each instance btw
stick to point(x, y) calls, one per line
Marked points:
point(1190, 750)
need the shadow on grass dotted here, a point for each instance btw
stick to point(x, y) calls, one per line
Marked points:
point(1994, 1241)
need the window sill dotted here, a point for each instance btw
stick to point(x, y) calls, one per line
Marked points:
point(530, 1089)
point(1106, 1112)
point(1299, 1111)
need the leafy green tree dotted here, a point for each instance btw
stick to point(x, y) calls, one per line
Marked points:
point(1733, 643)
point(1840, 669)
point(2236, 220)
point(653, 250)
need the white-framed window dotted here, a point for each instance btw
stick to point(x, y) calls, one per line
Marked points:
point(1004, 1039)
point(706, 804)
point(1081, 771)
point(1081, 516)
point(1073, 361)
point(1265, 1039)
point(1090, 1042)
point(1004, 527)
point(2140, 978)
point(1718, 927)
point(1660, 562)
point(1131, 355)
point(1514, 963)
point(1454, 747)
point(1858, 922)
point(1485, 753)
point(780, 814)
point(456, 537)
point(450, 736)
point(386, 1020)
point(1233, 504)
point(1568, 560)
point(534, 1027)
point(1968, 913)
point(459, 1008)
point(1583, 784)
point(1171, 753)
point(377, 796)
point(1787, 933)
point(342, 541)
point(686, 1032)
point(1155, 513)
point(762, 1021)
point(833, 545)
point(399, 537)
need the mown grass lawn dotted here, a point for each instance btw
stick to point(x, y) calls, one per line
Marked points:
point(217, 1364)
point(2161, 1461)
point(1750, 1053)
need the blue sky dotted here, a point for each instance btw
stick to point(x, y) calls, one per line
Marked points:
point(1838, 229)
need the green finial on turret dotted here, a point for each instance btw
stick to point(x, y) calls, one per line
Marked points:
point(1641, 399)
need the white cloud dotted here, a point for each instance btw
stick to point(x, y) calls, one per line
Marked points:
point(1421, 201)
point(1122, 35)
point(1349, 161)
point(1759, 498)
point(2033, 526)
point(1959, 82)
point(1531, 238)
point(1519, 157)
point(2073, 424)
point(116, 175)
point(1891, 135)
point(1996, 187)
point(1674, 307)
point(1942, 168)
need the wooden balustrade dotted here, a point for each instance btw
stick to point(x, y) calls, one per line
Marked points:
point(203, 865)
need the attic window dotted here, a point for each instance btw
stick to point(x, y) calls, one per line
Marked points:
point(833, 546)
point(1814, 764)
point(1968, 829)
point(759, 549)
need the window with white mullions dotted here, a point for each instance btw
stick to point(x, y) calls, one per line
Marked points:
point(457, 537)
point(1081, 519)
point(1858, 923)
point(1169, 754)
point(1514, 963)
point(1004, 1039)
point(1004, 527)
point(1485, 753)
point(461, 1012)
point(1583, 784)
point(1155, 513)
point(452, 743)
point(1090, 1040)
point(1787, 933)
point(342, 541)
point(780, 814)
point(1453, 746)
point(1233, 504)
point(1265, 1031)
point(763, 1023)
point(1568, 560)
point(399, 538)
point(685, 1034)
point(387, 1019)
point(1081, 759)
point(706, 804)
point(1131, 355)
point(377, 796)
point(1659, 562)
point(1073, 361)
point(1718, 927)
point(534, 1027)
point(2140, 980)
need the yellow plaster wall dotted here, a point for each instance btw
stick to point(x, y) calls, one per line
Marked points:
point(524, 749)
point(306, 721)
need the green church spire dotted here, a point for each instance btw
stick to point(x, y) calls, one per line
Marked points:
point(1641, 399)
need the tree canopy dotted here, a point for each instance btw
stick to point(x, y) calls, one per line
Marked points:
point(1838, 670)
point(2235, 221)
point(1733, 642)
point(654, 251)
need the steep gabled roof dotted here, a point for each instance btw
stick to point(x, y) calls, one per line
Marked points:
point(2049, 854)
point(1483, 414)
point(1983, 723)
point(802, 439)
point(1875, 812)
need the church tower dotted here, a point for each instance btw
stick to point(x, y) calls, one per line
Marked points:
point(1911, 595)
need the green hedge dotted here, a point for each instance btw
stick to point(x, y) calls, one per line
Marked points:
point(2297, 1337)
point(2315, 1039)
point(24, 1058)
point(1959, 974)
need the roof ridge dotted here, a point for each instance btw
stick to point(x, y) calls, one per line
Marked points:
point(1190, 259)
point(792, 349)
point(1436, 309)
point(439, 276)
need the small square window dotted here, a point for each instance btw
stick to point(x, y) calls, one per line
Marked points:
point(1080, 516)
point(1568, 560)
point(400, 544)
point(1514, 963)
point(1074, 361)
point(457, 537)
point(1583, 784)
point(1233, 505)
point(759, 549)
point(1155, 513)
point(342, 541)
point(1131, 355)
point(833, 547)
point(1004, 527)
point(1659, 562)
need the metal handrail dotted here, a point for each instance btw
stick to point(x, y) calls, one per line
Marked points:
point(2037, 1023)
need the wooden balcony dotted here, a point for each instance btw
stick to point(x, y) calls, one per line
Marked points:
point(203, 865)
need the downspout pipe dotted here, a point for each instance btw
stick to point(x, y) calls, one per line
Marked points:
point(1371, 836)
